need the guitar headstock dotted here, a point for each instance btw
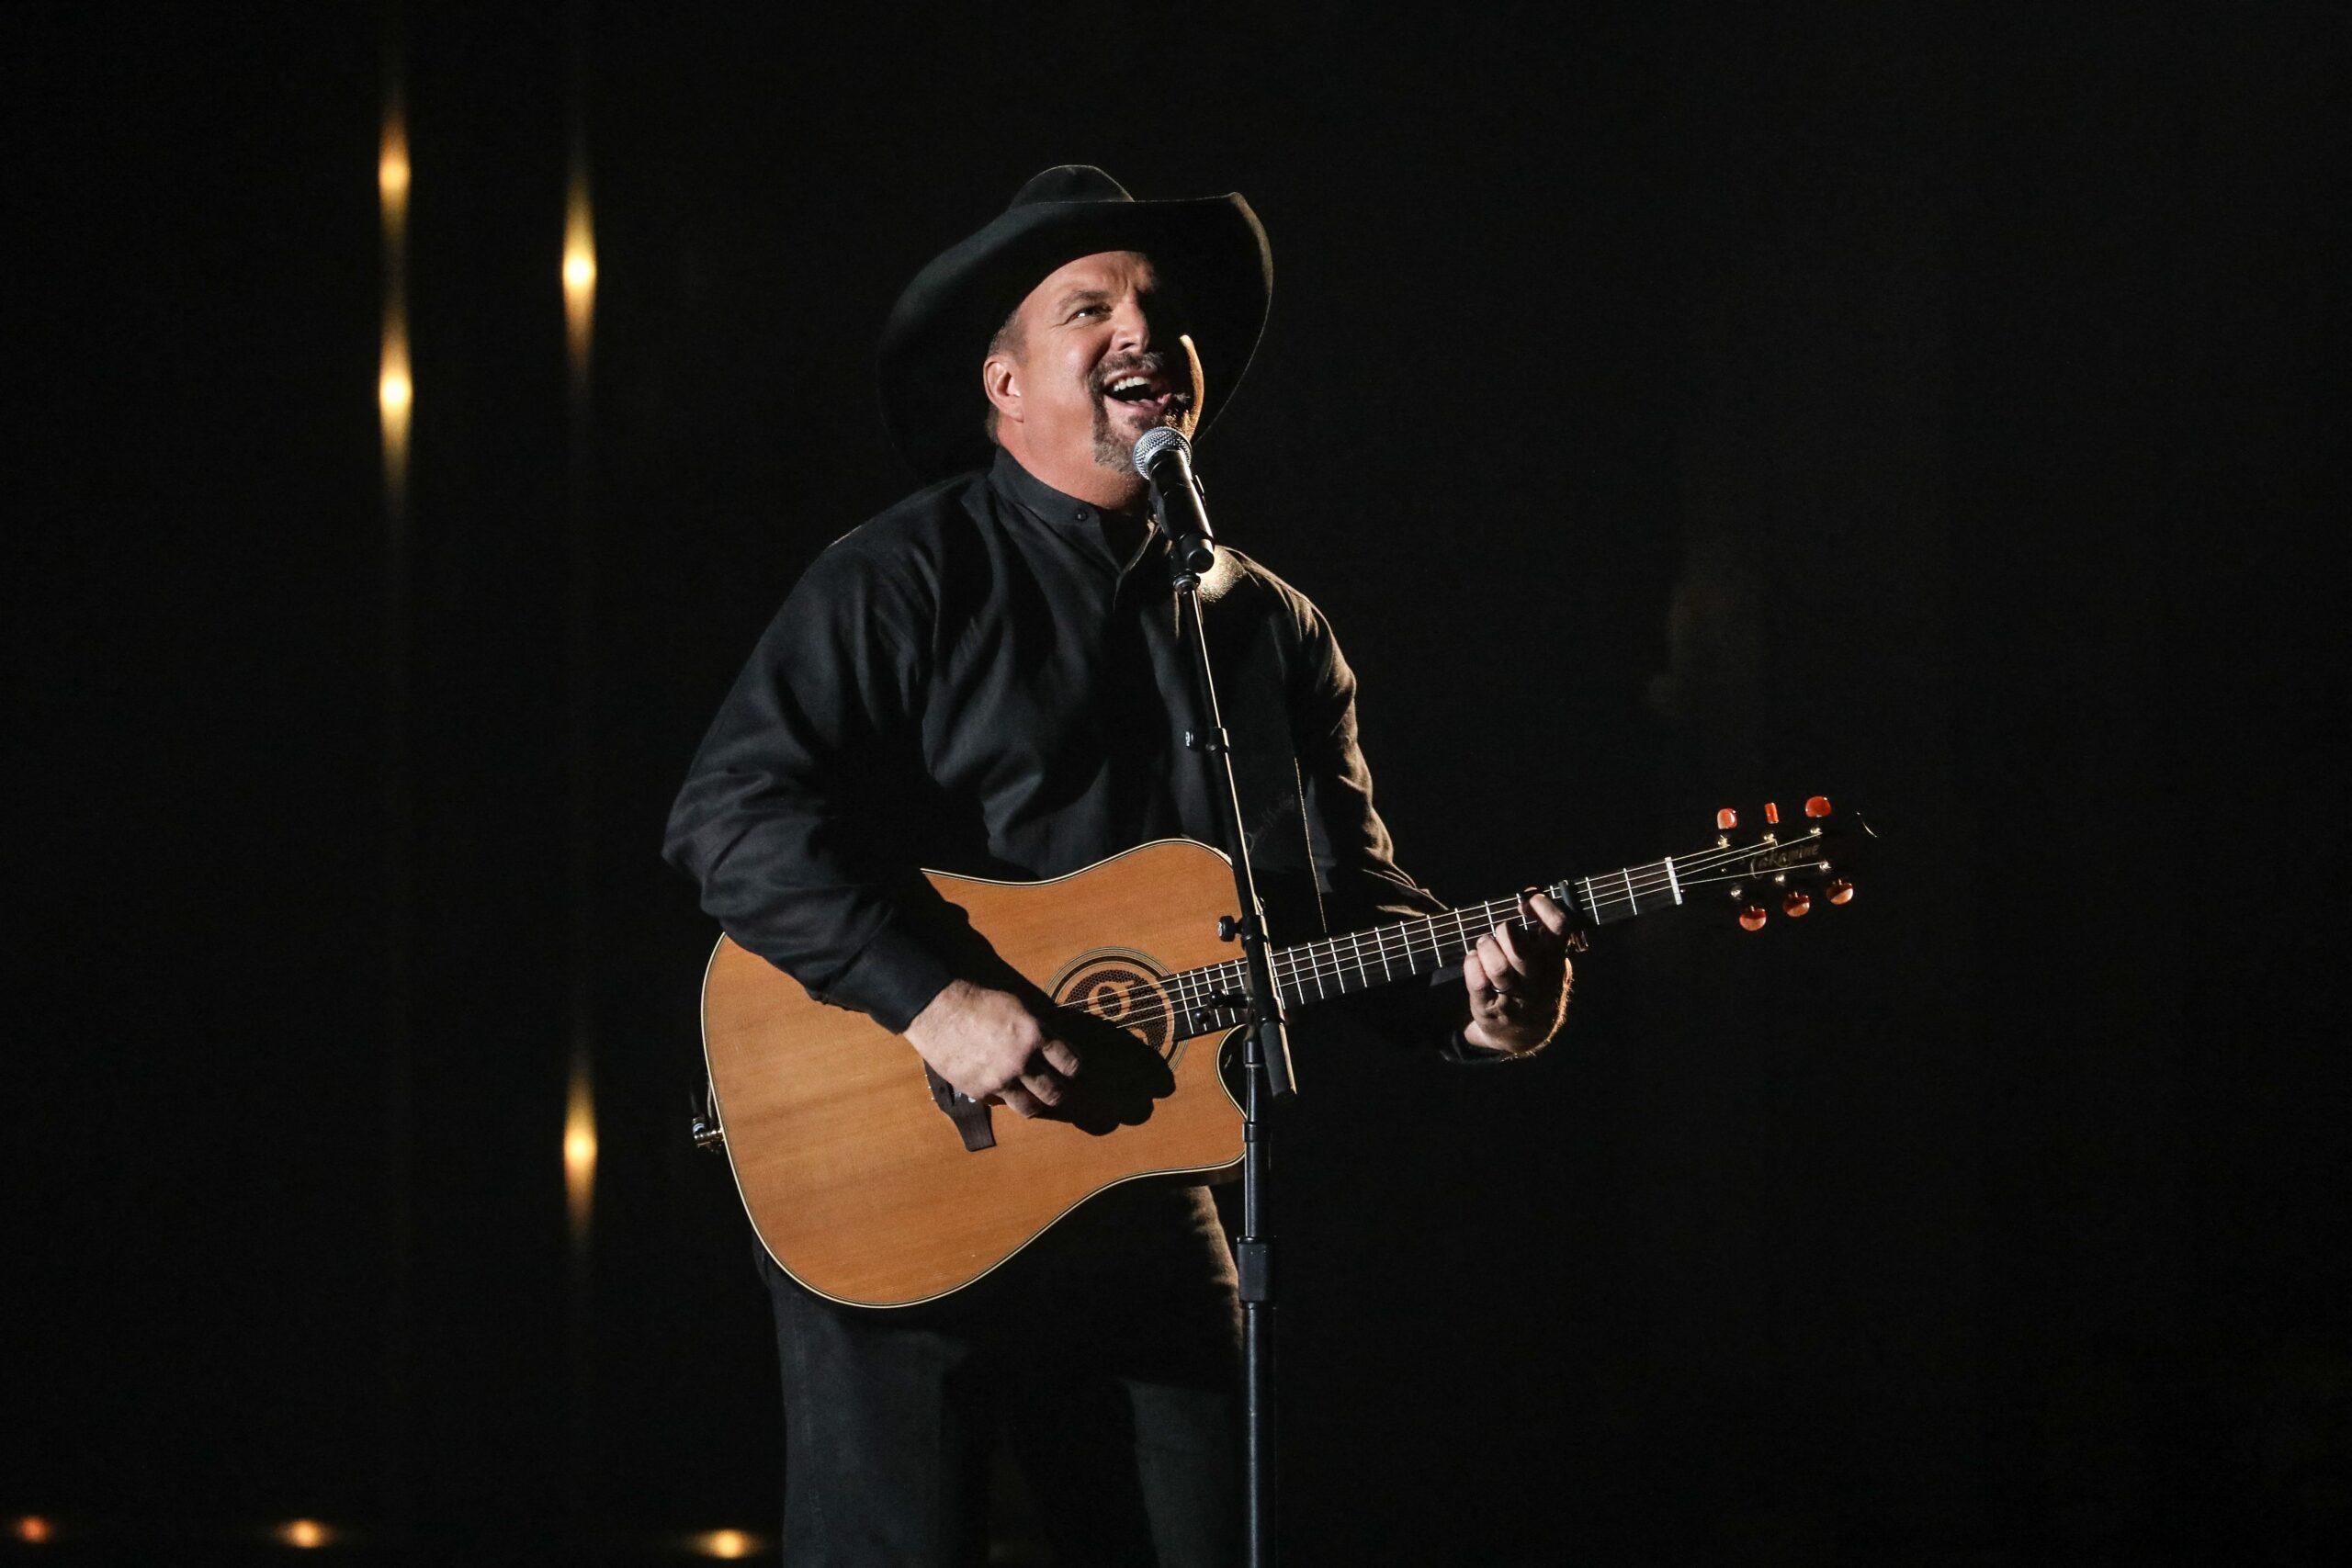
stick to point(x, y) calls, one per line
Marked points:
point(1791, 861)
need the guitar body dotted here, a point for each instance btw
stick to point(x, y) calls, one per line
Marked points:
point(860, 1185)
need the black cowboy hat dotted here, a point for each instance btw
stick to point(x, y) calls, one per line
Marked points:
point(1214, 247)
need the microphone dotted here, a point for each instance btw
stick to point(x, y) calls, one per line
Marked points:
point(1164, 459)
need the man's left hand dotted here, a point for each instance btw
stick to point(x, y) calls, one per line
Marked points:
point(1519, 980)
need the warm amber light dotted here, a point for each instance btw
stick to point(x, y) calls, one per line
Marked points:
point(579, 267)
point(34, 1530)
point(304, 1533)
point(394, 396)
point(580, 1153)
point(394, 392)
point(391, 179)
point(725, 1543)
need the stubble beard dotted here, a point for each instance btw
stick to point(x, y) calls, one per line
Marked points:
point(1114, 440)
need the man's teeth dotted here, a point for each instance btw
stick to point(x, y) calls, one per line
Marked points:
point(1130, 385)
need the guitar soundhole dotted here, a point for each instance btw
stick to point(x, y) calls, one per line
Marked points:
point(1121, 990)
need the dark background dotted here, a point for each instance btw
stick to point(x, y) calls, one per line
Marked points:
point(1671, 407)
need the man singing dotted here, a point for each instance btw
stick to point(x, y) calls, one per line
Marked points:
point(979, 681)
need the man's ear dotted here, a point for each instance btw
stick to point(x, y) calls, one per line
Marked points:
point(1000, 380)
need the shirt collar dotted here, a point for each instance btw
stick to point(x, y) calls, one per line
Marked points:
point(1065, 515)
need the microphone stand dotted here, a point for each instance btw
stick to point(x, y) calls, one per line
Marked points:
point(1265, 1052)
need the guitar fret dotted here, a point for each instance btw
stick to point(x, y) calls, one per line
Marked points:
point(1340, 965)
point(1188, 992)
point(1616, 906)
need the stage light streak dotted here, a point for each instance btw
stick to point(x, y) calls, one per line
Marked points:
point(579, 269)
point(392, 171)
point(395, 391)
point(304, 1534)
point(392, 389)
point(34, 1530)
point(395, 399)
point(724, 1543)
point(579, 275)
point(580, 1155)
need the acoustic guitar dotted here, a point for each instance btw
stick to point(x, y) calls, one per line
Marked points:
point(874, 1184)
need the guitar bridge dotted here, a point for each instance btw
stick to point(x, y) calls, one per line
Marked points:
point(971, 1117)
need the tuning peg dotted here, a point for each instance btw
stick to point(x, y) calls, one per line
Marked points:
point(1816, 805)
point(1841, 891)
point(1771, 815)
point(1796, 904)
point(1727, 819)
point(1751, 918)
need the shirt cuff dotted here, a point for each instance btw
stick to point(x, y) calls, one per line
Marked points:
point(1458, 1048)
point(892, 978)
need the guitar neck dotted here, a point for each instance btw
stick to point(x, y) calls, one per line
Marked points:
point(1341, 965)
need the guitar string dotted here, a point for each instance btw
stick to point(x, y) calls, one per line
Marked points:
point(1327, 957)
point(1195, 987)
point(1328, 960)
point(1324, 961)
point(1195, 990)
point(1321, 959)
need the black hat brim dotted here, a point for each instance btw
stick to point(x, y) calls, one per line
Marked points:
point(1213, 248)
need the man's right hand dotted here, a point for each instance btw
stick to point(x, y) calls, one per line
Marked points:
point(988, 1044)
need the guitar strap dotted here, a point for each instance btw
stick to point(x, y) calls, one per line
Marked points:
point(1253, 684)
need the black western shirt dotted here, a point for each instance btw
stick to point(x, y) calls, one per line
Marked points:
point(987, 679)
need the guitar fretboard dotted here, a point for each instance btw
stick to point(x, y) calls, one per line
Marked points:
point(1211, 997)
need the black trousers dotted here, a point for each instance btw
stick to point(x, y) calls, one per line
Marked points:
point(1108, 1354)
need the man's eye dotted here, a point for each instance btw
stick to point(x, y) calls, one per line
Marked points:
point(1090, 309)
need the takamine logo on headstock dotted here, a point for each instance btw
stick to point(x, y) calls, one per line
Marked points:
point(1818, 854)
point(1787, 856)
